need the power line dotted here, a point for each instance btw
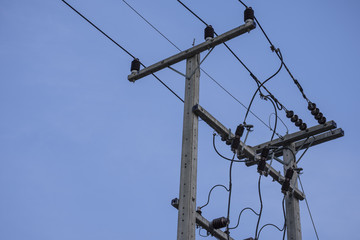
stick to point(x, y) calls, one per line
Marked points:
point(307, 205)
point(117, 44)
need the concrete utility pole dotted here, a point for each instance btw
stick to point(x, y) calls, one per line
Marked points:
point(188, 175)
point(291, 203)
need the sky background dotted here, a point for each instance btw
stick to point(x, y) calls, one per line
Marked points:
point(85, 154)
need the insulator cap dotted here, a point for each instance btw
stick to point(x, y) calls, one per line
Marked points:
point(135, 65)
point(249, 14)
point(319, 116)
point(303, 127)
point(289, 114)
point(294, 118)
point(315, 111)
point(209, 32)
point(285, 186)
point(219, 222)
point(265, 153)
point(289, 173)
point(322, 120)
point(311, 106)
point(298, 122)
point(240, 130)
point(261, 166)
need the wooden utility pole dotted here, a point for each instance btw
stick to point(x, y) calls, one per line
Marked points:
point(188, 174)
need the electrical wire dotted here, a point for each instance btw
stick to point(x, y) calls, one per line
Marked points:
point(232, 52)
point(229, 159)
point(279, 56)
point(229, 199)
point(308, 208)
point(238, 222)
point(273, 225)
point(261, 208)
point(121, 47)
point(287, 129)
point(305, 150)
point(208, 200)
point(261, 85)
point(276, 114)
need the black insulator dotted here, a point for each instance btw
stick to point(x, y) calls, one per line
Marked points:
point(228, 141)
point(315, 111)
point(322, 120)
point(209, 32)
point(294, 118)
point(261, 166)
point(223, 138)
point(239, 130)
point(298, 122)
point(265, 153)
point(135, 65)
point(219, 222)
point(289, 114)
point(319, 116)
point(285, 186)
point(235, 144)
point(249, 14)
point(303, 127)
point(289, 173)
point(311, 106)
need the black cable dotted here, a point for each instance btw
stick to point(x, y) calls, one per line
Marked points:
point(229, 159)
point(276, 114)
point(292, 152)
point(273, 225)
point(247, 208)
point(218, 185)
point(305, 150)
point(261, 208)
point(261, 85)
point(284, 212)
point(117, 44)
point(172, 43)
point(280, 57)
point(229, 199)
point(307, 205)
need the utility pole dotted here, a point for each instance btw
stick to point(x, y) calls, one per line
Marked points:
point(188, 217)
point(188, 174)
point(292, 204)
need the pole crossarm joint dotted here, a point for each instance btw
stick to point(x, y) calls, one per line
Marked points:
point(204, 223)
point(247, 150)
point(300, 135)
point(247, 27)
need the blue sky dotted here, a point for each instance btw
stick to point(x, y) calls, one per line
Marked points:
point(85, 154)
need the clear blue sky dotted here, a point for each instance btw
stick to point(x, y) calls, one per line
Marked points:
point(84, 154)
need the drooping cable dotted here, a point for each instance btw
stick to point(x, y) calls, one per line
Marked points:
point(238, 222)
point(229, 198)
point(308, 208)
point(208, 200)
point(117, 44)
point(305, 150)
point(261, 207)
point(228, 159)
point(273, 225)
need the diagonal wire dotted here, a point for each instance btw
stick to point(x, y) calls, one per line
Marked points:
point(117, 44)
point(307, 205)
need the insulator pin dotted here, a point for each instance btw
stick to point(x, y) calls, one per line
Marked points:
point(289, 114)
point(322, 120)
point(135, 66)
point(319, 116)
point(248, 14)
point(294, 118)
point(209, 33)
point(315, 111)
point(299, 122)
point(303, 127)
point(311, 106)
